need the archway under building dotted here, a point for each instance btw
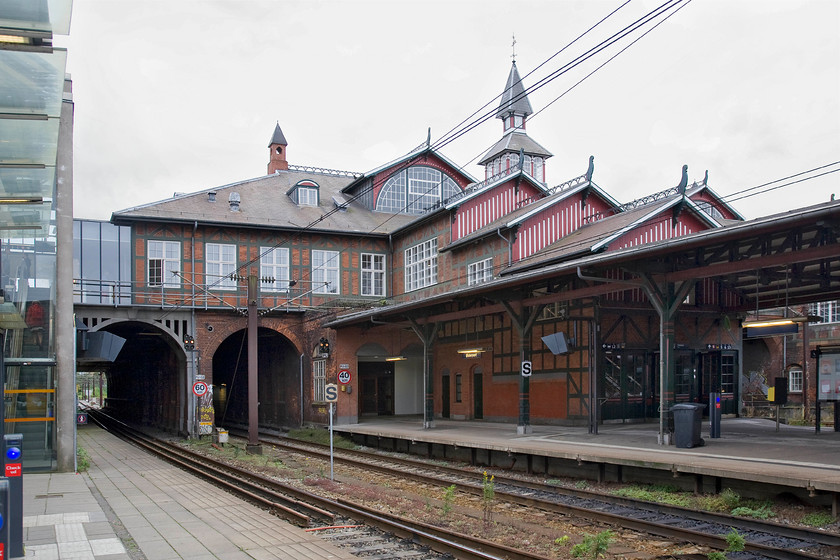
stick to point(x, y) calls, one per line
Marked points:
point(147, 382)
point(279, 380)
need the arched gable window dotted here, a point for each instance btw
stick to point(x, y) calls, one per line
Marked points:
point(305, 193)
point(415, 190)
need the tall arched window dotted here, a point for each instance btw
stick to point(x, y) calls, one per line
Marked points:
point(415, 190)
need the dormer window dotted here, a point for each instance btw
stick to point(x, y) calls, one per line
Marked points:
point(305, 193)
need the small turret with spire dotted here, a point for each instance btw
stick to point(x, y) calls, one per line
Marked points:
point(277, 152)
point(516, 149)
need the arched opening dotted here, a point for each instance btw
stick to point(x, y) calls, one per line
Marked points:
point(279, 391)
point(147, 382)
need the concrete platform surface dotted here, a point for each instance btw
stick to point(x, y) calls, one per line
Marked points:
point(748, 448)
point(131, 506)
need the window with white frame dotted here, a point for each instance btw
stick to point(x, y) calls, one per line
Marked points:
point(795, 380)
point(319, 380)
point(220, 264)
point(829, 311)
point(421, 265)
point(274, 264)
point(373, 275)
point(164, 259)
point(325, 272)
point(481, 271)
point(307, 196)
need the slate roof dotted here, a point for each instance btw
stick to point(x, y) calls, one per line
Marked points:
point(265, 204)
point(513, 141)
point(514, 99)
point(277, 137)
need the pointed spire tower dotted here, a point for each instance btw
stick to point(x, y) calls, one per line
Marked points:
point(277, 152)
point(513, 111)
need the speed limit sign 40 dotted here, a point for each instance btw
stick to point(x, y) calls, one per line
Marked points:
point(344, 377)
point(200, 388)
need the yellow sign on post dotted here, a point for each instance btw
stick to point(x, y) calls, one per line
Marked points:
point(771, 394)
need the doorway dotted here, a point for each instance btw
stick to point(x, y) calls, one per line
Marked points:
point(478, 393)
point(376, 382)
point(444, 395)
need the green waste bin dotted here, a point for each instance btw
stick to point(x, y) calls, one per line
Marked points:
point(688, 417)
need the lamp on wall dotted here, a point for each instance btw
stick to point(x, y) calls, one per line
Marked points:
point(473, 352)
point(395, 358)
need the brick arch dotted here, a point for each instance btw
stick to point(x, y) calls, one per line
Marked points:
point(213, 330)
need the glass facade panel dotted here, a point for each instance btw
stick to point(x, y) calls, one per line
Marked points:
point(101, 263)
point(21, 182)
point(33, 84)
point(30, 411)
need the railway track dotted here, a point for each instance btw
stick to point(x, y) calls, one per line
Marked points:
point(764, 540)
point(363, 530)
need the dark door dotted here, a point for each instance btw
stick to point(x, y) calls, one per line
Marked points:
point(385, 395)
point(368, 396)
point(718, 374)
point(444, 395)
point(478, 395)
point(624, 391)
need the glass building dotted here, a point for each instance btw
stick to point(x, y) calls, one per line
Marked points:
point(36, 115)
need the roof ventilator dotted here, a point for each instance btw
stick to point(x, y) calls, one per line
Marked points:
point(233, 200)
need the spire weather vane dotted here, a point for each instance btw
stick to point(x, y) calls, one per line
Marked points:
point(513, 49)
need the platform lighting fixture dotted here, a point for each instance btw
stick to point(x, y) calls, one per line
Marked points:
point(473, 352)
point(395, 358)
point(777, 326)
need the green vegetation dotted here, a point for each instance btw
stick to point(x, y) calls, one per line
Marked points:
point(448, 498)
point(593, 546)
point(725, 501)
point(818, 519)
point(321, 436)
point(82, 460)
point(735, 542)
point(562, 541)
point(660, 494)
point(758, 511)
point(488, 495)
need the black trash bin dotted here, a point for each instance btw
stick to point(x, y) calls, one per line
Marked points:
point(688, 417)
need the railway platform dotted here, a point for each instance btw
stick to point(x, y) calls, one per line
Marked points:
point(750, 455)
point(131, 506)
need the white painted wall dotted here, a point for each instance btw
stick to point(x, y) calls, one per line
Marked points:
point(408, 386)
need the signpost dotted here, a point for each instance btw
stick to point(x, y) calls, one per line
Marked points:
point(526, 368)
point(331, 391)
point(200, 388)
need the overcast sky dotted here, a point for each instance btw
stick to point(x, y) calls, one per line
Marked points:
point(183, 95)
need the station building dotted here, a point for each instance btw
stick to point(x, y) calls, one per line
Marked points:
point(420, 289)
